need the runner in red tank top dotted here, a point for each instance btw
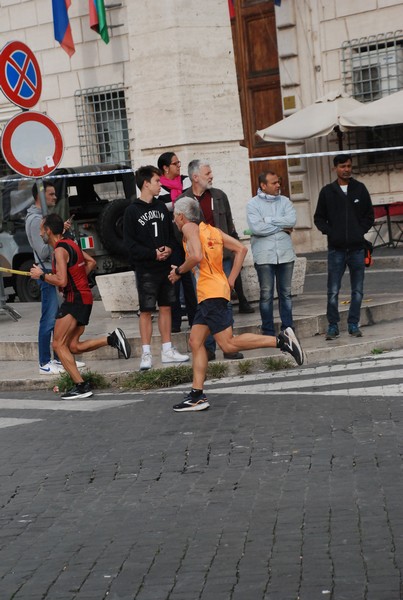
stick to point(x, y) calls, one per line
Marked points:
point(70, 269)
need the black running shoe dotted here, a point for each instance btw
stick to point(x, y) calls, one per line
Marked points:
point(288, 342)
point(118, 340)
point(80, 390)
point(192, 404)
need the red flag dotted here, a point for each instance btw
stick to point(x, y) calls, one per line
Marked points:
point(231, 7)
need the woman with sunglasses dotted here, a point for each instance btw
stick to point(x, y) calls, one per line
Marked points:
point(172, 186)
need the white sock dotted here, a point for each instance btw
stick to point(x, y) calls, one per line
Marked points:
point(166, 346)
point(146, 349)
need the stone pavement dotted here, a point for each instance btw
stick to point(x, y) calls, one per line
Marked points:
point(288, 488)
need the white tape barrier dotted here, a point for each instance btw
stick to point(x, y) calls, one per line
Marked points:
point(70, 175)
point(333, 153)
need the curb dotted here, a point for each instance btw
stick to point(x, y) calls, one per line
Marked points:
point(333, 352)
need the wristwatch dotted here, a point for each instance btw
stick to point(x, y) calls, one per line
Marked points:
point(177, 272)
point(42, 277)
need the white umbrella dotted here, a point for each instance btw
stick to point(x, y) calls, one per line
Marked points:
point(386, 111)
point(316, 120)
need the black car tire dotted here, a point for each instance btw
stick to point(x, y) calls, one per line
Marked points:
point(27, 289)
point(110, 226)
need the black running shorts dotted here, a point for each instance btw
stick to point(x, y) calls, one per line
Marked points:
point(81, 312)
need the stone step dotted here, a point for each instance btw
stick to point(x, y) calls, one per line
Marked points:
point(319, 265)
point(307, 326)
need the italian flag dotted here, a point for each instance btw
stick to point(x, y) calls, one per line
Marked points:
point(98, 19)
point(87, 242)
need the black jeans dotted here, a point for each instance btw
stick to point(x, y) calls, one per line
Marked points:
point(186, 281)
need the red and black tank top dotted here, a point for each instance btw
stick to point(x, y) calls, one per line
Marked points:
point(77, 290)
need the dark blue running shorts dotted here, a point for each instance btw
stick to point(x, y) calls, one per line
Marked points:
point(214, 313)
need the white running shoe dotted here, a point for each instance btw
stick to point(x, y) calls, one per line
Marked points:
point(50, 369)
point(288, 342)
point(79, 364)
point(173, 356)
point(146, 361)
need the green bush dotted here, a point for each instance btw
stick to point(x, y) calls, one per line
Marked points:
point(170, 376)
point(245, 367)
point(217, 370)
point(158, 378)
point(96, 380)
point(275, 364)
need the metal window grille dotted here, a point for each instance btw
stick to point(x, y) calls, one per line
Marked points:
point(102, 125)
point(372, 67)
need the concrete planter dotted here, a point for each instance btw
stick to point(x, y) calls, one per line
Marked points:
point(119, 293)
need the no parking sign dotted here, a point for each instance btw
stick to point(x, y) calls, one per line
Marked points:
point(20, 76)
point(31, 143)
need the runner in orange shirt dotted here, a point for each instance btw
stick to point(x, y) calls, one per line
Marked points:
point(204, 247)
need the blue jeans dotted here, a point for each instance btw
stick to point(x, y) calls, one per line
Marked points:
point(337, 261)
point(210, 341)
point(282, 273)
point(49, 310)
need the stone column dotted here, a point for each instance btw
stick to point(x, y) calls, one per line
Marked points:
point(183, 93)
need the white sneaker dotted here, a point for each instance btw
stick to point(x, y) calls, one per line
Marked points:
point(146, 361)
point(172, 355)
point(79, 364)
point(50, 369)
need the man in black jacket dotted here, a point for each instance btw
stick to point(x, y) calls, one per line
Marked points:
point(344, 213)
point(148, 236)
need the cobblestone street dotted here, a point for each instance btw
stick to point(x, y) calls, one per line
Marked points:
point(288, 488)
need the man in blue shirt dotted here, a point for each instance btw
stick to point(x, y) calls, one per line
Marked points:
point(271, 218)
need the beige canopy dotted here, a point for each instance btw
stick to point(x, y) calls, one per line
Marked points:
point(386, 111)
point(316, 120)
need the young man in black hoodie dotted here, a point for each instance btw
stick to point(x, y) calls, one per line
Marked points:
point(344, 213)
point(148, 235)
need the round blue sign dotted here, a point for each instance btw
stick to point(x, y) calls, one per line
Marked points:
point(20, 76)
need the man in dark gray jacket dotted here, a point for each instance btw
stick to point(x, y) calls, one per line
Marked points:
point(344, 213)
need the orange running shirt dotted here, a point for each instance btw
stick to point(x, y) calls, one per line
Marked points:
point(210, 277)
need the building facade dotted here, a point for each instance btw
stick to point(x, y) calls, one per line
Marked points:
point(339, 45)
point(168, 80)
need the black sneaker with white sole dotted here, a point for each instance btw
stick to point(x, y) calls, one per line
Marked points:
point(80, 390)
point(190, 404)
point(288, 342)
point(118, 340)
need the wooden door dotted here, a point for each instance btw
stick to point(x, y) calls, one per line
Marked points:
point(256, 58)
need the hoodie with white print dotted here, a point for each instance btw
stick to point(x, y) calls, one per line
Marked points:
point(267, 217)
